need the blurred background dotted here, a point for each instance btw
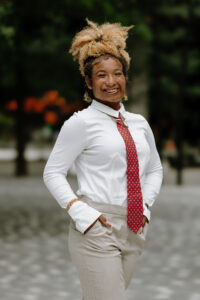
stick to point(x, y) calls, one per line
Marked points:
point(41, 87)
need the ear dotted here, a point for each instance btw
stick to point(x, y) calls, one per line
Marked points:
point(88, 82)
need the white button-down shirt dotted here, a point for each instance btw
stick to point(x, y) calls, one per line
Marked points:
point(90, 139)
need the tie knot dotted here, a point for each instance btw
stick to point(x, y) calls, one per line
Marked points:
point(119, 120)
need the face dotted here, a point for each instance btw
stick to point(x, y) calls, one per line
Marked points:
point(108, 82)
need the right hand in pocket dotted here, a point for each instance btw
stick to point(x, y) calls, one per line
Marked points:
point(103, 221)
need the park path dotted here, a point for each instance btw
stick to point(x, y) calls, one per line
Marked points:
point(35, 262)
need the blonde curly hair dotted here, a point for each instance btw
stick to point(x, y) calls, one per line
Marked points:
point(96, 40)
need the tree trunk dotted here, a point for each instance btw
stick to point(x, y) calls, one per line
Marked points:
point(21, 164)
point(20, 92)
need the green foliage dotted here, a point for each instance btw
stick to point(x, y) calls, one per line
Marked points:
point(6, 31)
point(175, 74)
point(197, 11)
point(144, 32)
point(168, 38)
point(6, 121)
point(171, 61)
point(169, 86)
point(7, 125)
point(193, 61)
point(193, 91)
point(174, 10)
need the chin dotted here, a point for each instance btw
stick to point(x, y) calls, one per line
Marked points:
point(112, 98)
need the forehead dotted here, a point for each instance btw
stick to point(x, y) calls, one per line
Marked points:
point(106, 62)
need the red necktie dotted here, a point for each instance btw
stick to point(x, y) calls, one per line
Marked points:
point(134, 193)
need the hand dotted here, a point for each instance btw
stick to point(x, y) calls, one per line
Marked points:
point(144, 221)
point(103, 221)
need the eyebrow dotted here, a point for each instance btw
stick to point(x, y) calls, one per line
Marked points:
point(118, 69)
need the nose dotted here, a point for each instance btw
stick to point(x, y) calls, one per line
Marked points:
point(110, 80)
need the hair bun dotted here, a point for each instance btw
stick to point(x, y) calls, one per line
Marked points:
point(95, 40)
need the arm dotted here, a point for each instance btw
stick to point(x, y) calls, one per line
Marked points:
point(154, 175)
point(71, 141)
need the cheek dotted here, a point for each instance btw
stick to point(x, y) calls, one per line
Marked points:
point(96, 87)
point(96, 92)
point(123, 84)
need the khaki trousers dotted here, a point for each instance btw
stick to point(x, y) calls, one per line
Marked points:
point(105, 258)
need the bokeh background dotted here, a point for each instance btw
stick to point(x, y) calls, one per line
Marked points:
point(41, 87)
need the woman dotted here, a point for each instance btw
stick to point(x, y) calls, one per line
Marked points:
point(118, 168)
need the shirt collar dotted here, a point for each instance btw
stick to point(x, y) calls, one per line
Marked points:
point(108, 110)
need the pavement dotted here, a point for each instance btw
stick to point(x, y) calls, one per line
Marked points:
point(34, 257)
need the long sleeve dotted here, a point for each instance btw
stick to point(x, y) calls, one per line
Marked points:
point(153, 174)
point(71, 141)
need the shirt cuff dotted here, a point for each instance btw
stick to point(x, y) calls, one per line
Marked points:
point(83, 215)
point(146, 212)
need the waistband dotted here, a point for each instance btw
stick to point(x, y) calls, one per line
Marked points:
point(105, 207)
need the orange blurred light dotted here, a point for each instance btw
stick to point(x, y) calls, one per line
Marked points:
point(170, 145)
point(29, 104)
point(39, 105)
point(12, 105)
point(33, 105)
point(50, 117)
point(60, 101)
point(51, 96)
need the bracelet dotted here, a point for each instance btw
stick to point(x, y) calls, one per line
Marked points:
point(71, 202)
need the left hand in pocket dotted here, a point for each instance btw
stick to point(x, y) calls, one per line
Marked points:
point(145, 220)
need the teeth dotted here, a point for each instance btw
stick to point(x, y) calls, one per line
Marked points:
point(111, 91)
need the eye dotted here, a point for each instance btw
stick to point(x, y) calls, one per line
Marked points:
point(101, 75)
point(118, 74)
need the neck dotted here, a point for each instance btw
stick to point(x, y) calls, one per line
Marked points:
point(113, 105)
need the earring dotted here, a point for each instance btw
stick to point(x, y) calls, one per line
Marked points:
point(87, 97)
point(125, 97)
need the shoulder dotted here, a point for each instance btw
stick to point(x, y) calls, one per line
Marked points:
point(75, 124)
point(139, 121)
point(84, 115)
point(88, 113)
point(78, 122)
point(77, 118)
point(136, 117)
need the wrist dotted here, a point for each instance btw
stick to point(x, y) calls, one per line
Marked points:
point(146, 211)
point(71, 203)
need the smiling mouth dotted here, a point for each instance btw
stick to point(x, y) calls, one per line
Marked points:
point(111, 91)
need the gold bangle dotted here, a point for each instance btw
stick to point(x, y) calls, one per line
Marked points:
point(71, 202)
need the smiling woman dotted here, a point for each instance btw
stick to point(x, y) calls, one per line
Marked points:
point(107, 82)
point(118, 168)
